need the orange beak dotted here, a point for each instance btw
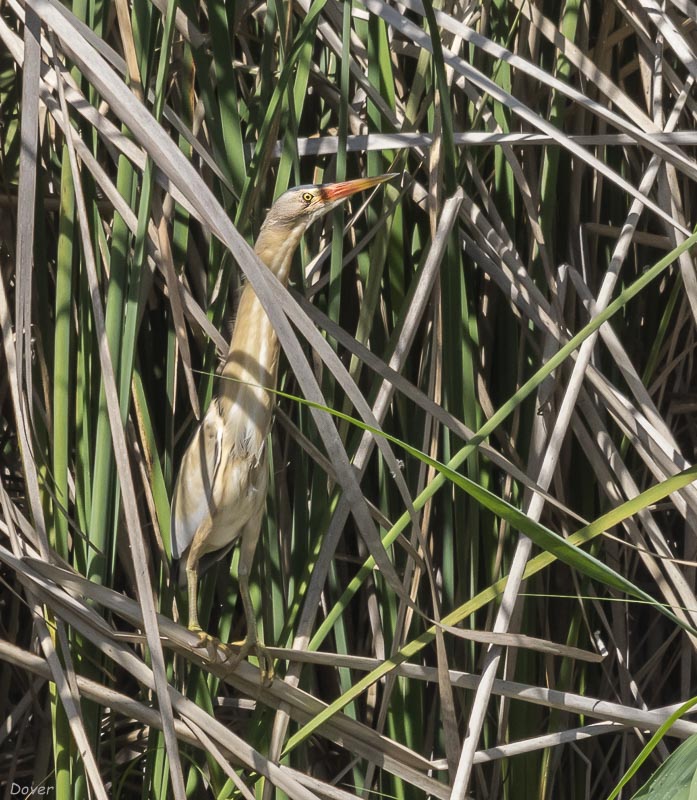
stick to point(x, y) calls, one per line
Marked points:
point(331, 192)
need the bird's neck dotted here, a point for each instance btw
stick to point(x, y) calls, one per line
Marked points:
point(252, 359)
point(276, 248)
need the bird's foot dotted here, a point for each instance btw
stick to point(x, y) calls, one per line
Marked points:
point(232, 654)
point(211, 644)
point(266, 670)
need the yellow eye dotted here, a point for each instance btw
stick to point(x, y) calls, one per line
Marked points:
point(308, 197)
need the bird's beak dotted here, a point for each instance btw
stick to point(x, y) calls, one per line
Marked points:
point(333, 192)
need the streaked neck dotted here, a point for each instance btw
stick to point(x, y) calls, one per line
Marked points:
point(276, 248)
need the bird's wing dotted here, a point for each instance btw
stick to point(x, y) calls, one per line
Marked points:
point(193, 493)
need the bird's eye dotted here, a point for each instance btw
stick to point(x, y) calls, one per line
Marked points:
point(307, 197)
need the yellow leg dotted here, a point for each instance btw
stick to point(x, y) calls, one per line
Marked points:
point(205, 640)
point(251, 640)
point(212, 645)
point(248, 545)
point(192, 585)
point(192, 560)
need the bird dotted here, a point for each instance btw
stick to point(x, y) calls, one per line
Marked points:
point(220, 491)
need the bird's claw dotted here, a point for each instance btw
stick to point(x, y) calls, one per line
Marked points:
point(230, 655)
point(211, 644)
point(266, 670)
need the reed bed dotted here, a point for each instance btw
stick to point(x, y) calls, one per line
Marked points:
point(487, 378)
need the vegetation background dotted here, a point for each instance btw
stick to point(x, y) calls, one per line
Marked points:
point(545, 162)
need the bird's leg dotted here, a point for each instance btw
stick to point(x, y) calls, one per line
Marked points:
point(192, 586)
point(248, 544)
point(206, 641)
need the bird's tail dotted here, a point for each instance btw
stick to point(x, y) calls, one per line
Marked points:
point(178, 572)
point(178, 569)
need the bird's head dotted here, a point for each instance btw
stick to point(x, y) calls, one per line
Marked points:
point(299, 207)
point(293, 213)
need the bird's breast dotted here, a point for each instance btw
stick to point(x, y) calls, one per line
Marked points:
point(222, 481)
point(241, 495)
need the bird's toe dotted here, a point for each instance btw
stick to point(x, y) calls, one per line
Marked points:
point(230, 655)
point(266, 669)
point(243, 649)
point(209, 643)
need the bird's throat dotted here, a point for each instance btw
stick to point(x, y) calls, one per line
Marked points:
point(276, 249)
point(253, 355)
point(252, 360)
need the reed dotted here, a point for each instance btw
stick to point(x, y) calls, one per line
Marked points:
point(487, 379)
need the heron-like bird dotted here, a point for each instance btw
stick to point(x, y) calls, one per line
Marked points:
point(220, 492)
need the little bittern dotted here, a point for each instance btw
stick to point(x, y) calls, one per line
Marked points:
point(221, 489)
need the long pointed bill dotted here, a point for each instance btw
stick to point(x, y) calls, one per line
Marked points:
point(333, 192)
